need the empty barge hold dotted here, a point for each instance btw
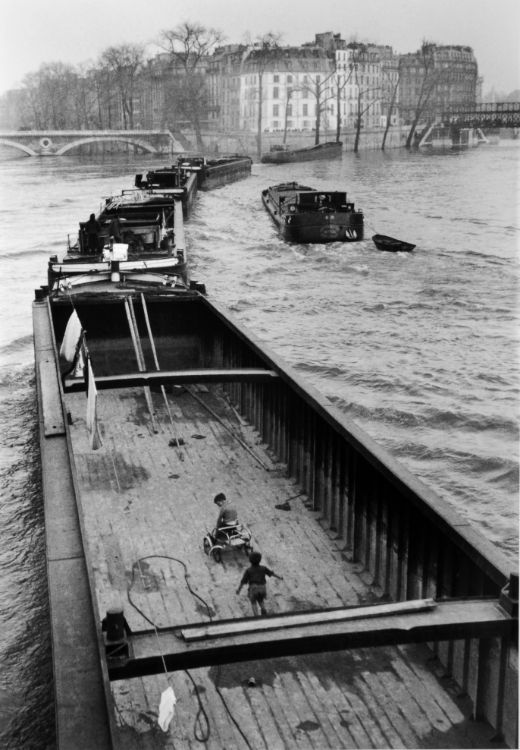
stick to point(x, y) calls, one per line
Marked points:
point(182, 403)
point(304, 214)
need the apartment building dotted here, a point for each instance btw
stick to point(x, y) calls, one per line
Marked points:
point(292, 85)
point(443, 76)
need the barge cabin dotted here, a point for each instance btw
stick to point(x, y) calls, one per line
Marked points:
point(138, 239)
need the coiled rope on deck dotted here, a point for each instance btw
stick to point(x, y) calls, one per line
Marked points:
point(204, 733)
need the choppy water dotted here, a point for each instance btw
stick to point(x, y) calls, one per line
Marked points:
point(421, 350)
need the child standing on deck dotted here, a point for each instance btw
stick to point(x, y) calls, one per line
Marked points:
point(255, 577)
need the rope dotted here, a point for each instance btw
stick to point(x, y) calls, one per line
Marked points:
point(200, 734)
point(232, 432)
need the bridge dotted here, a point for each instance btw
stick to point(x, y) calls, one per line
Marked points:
point(488, 115)
point(59, 142)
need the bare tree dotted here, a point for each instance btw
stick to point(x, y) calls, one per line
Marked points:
point(390, 89)
point(319, 88)
point(82, 99)
point(124, 63)
point(31, 115)
point(431, 77)
point(341, 83)
point(259, 57)
point(48, 100)
point(367, 97)
point(288, 95)
point(189, 46)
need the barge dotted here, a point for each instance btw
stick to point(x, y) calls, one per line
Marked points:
point(304, 214)
point(286, 155)
point(134, 237)
point(395, 624)
point(170, 182)
point(217, 171)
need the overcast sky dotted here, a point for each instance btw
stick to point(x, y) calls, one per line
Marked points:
point(33, 32)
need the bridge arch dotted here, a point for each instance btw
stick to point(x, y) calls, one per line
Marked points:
point(19, 146)
point(98, 139)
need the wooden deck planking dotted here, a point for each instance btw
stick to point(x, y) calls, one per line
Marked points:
point(143, 497)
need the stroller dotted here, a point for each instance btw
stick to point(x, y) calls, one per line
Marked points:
point(234, 536)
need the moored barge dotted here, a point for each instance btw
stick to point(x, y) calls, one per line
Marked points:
point(304, 214)
point(181, 403)
point(214, 172)
point(286, 155)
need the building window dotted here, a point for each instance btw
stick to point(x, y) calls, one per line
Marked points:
point(289, 79)
point(305, 112)
point(289, 110)
point(276, 94)
point(276, 110)
point(276, 78)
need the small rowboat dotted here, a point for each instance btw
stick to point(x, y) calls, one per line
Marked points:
point(392, 245)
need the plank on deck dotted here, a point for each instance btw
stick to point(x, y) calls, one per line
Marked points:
point(144, 498)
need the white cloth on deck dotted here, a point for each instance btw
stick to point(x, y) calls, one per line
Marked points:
point(71, 337)
point(92, 425)
point(166, 708)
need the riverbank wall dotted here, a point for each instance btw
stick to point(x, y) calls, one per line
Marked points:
point(246, 142)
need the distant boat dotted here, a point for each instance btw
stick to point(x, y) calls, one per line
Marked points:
point(284, 155)
point(304, 214)
point(216, 171)
point(391, 244)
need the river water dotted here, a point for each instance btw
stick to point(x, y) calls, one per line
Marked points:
point(419, 349)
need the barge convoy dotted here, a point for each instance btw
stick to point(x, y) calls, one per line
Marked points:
point(395, 624)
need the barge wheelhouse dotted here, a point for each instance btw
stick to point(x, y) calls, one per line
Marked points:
point(138, 236)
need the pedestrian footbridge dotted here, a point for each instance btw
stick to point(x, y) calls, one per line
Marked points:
point(59, 142)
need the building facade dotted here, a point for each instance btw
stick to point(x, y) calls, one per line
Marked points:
point(435, 79)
